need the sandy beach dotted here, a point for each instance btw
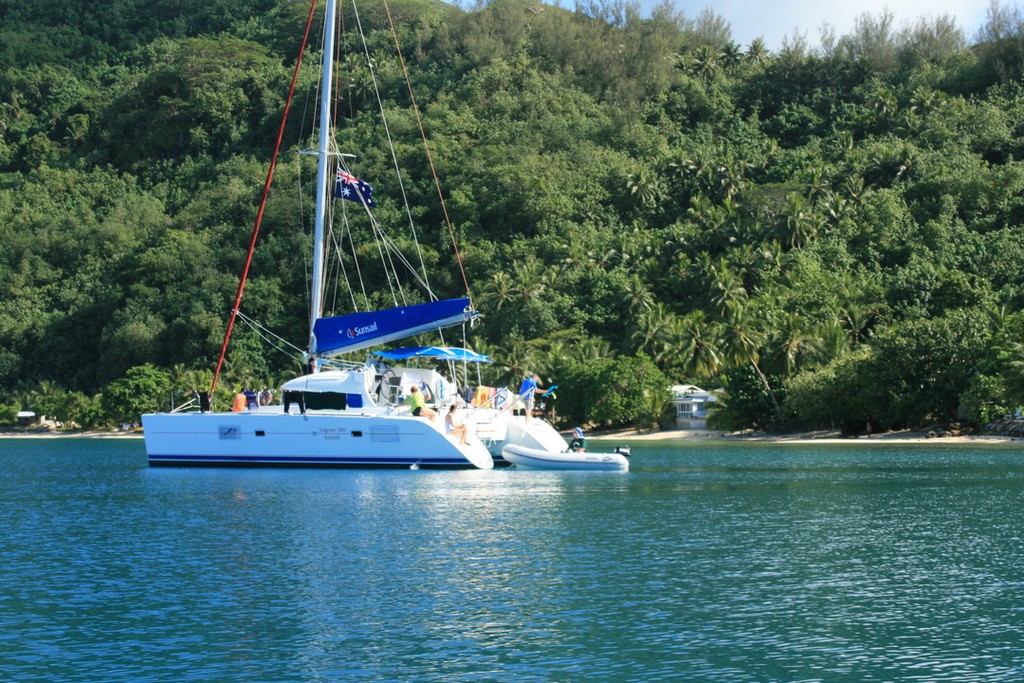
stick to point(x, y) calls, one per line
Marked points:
point(818, 437)
point(67, 434)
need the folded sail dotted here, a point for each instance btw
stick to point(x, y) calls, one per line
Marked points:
point(355, 331)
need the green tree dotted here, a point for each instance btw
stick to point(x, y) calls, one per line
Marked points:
point(613, 392)
point(843, 394)
point(143, 389)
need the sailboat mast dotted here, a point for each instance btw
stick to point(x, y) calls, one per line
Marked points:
point(323, 174)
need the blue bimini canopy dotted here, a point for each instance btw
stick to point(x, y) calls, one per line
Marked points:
point(442, 352)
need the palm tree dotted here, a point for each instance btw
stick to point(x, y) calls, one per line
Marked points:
point(854, 188)
point(638, 296)
point(683, 166)
point(705, 63)
point(652, 327)
point(833, 340)
point(886, 109)
point(593, 348)
point(795, 340)
point(498, 291)
point(834, 205)
point(729, 179)
point(998, 314)
point(742, 345)
point(856, 313)
point(757, 52)
point(697, 342)
point(801, 222)
point(186, 381)
point(726, 287)
point(818, 185)
point(742, 339)
point(731, 57)
point(77, 127)
point(516, 359)
point(643, 187)
point(754, 263)
point(857, 316)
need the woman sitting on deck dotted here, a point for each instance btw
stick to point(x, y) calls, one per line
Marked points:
point(457, 430)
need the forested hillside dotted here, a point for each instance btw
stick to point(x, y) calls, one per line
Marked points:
point(834, 236)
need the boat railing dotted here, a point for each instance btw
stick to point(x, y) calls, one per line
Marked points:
point(187, 406)
point(491, 402)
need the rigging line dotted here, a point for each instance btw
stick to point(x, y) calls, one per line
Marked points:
point(307, 265)
point(342, 268)
point(312, 95)
point(389, 253)
point(270, 338)
point(391, 142)
point(333, 271)
point(341, 164)
point(389, 273)
point(355, 260)
point(347, 231)
point(388, 267)
point(263, 201)
point(430, 158)
point(338, 240)
point(395, 252)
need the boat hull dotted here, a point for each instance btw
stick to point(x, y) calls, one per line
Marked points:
point(311, 440)
point(547, 460)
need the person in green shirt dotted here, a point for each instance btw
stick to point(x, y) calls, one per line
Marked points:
point(417, 404)
point(579, 442)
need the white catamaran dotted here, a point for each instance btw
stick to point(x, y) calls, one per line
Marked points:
point(352, 416)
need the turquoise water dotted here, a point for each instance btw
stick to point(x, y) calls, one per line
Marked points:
point(704, 563)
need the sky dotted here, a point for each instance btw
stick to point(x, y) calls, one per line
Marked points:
point(774, 21)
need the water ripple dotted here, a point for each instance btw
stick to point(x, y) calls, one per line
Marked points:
point(717, 564)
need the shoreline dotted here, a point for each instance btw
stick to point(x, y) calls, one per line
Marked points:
point(667, 435)
point(70, 434)
point(817, 437)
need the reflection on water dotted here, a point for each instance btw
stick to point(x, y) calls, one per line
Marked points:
point(707, 563)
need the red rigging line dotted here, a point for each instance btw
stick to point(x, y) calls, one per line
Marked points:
point(273, 166)
point(263, 201)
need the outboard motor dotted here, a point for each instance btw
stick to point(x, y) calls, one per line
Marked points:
point(624, 450)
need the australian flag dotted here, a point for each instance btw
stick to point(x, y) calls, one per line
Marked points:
point(347, 186)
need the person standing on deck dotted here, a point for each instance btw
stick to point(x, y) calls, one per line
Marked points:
point(528, 391)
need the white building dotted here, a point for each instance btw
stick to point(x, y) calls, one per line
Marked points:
point(691, 404)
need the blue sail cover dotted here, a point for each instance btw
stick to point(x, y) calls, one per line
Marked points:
point(355, 331)
point(443, 352)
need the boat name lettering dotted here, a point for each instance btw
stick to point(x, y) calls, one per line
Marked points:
point(354, 332)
